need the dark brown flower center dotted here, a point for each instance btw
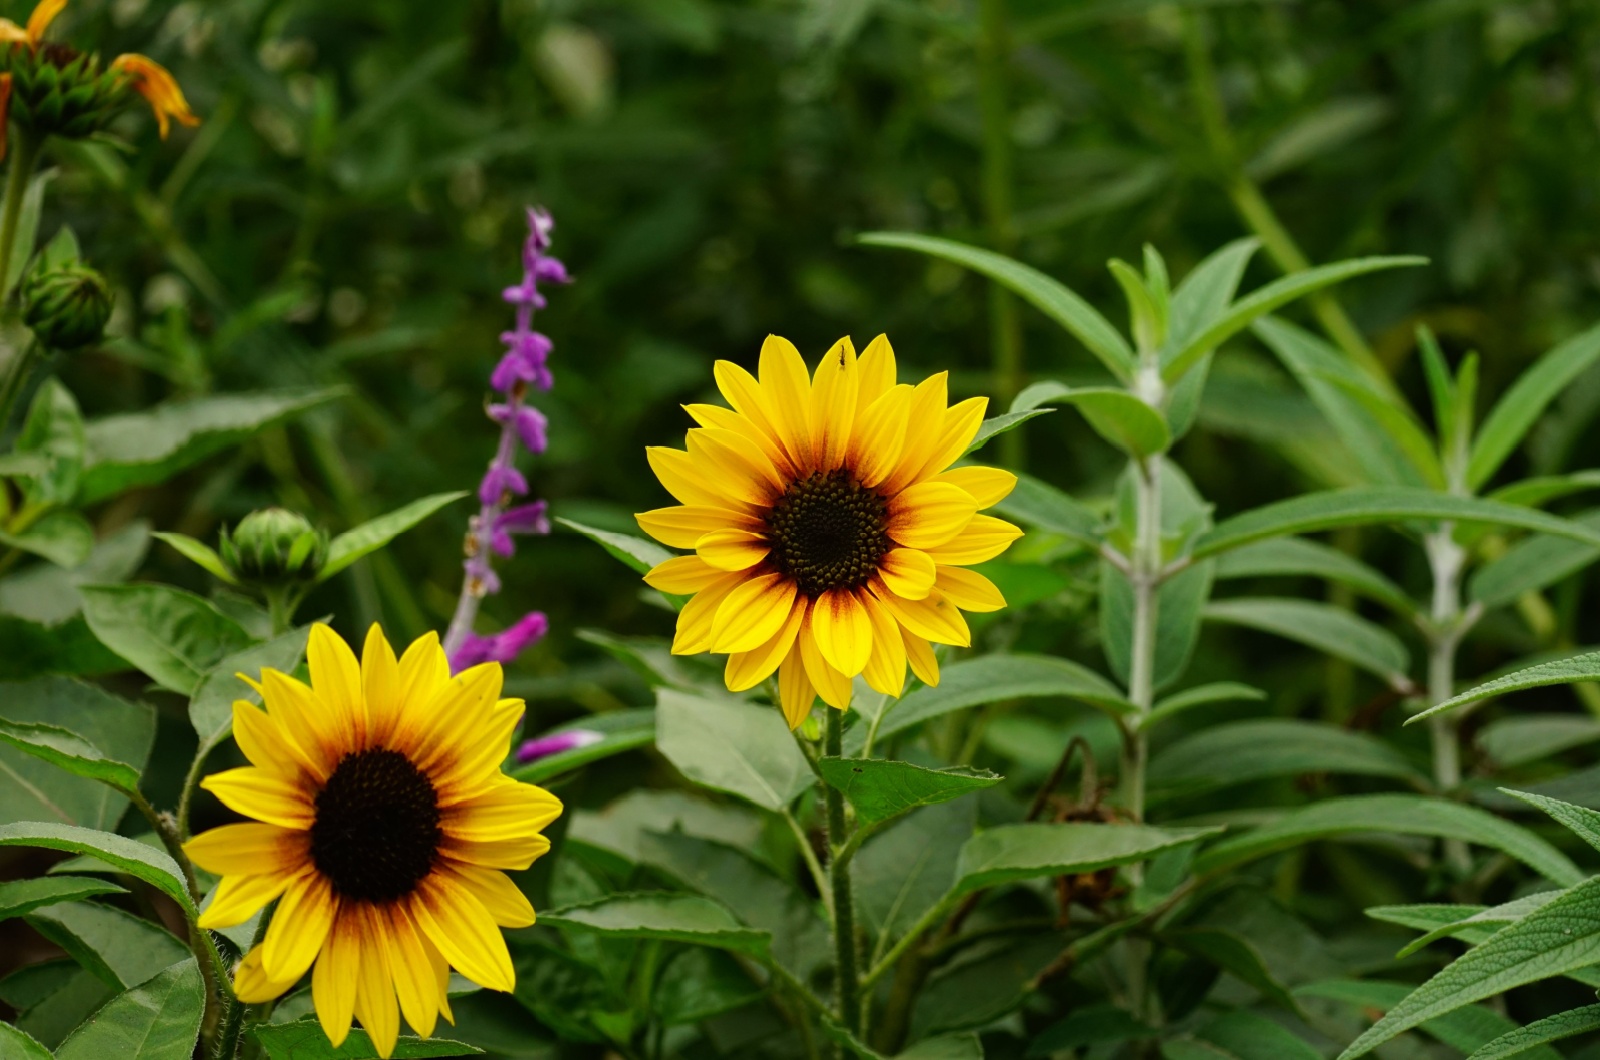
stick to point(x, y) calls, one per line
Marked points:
point(377, 826)
point(828, 532)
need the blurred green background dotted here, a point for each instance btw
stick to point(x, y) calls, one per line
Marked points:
point(352, 205)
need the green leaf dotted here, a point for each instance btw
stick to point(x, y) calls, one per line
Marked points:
point(1534, 492)
point(1519, 739)
point(620, 730)
point(1244, 751)
point(34, 789)
point(904, 870)
point(173, 636)
point(1265, 299)
point(375, 533)
point(657, 915)
point(19, 1045)
point(1464, 1029)
point(1514, 414)
point(211, 706)
point(144, 448)
point(121, 853)
point(1541, 1032)
point(305, 1040)
point(1085, 1025)
point(1252, 1037)
point(22, 465)
point(1050, 297)
point(1327, 628)
point(995, 425)
point(1402, 814)
point(67, 750)
point(995, 678)
point(53, 431)
point(1331, 509)
point(1479, 925)
point(48, 595)
point(1042, 506)
point(1584, 667)
point(1200, 695)
point(1014, 852)
point(731, 746)
point(1397, 421)
point(1233, 953)
point(1562, 936)
point(1122, 419)
point(18, 897)
point(199, 553)
point(1204, 294)
point(120, 948)
point(63, 537)
point(1580, 821)
point(636, 552)
point(158, 1020)
point(1294, 556)
point(880, 789)
point(27, 233)
point(1532, 564)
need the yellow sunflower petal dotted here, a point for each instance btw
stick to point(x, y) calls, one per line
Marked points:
point(732, 550)
point(877, 371)
point(513, 855)
point(842, 630)
point(834, 687)
point(795, 693)
point(787, 387)
point(761, 437)
point(508, 905)
point(749, 400)
point(264, 795)
point(685, 480)
point(923, 425)
point(375, 1000)
point(380, 686)
point(969, 590)
point(238, 898)
point(886, 668)
point(427, 730)
point(727, 473)
point(695, 620)
point(919, 653)
point(299, 927)
point(11, 33)
point(44, 13)
point(249, 849)
point(441, 972)
point(263, 740)
point(981, 540)
point(879, 436)
point(414, 980)
point(681, 526)
point(509, 810)
point(934, 618)
point(471, 764)
point(909, 573)
point(333, 980)
point(336, 679)
point(158, 87)
point(252, 984)
point(746, 669)
point(752, 613)
point(424, 669)
point(929, 514)
point(960, 425)
point(732, 453)
point(833, 405)
point(988, 485)
point(682, 575)
point(458, 924)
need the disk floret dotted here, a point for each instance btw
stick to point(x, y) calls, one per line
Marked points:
point(829, 532)
point(376, 834)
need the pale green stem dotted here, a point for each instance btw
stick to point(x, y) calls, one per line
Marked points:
point(1445, 558)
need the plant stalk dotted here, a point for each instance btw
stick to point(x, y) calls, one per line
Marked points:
point(1146, 578)
point(24, 156)
point(847, 988)
point(1446, 559)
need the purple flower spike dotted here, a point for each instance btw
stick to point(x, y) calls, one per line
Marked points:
point(526, 519)
point(529, 423)
point(500, 480)
point(499, 647)
point(556, 743)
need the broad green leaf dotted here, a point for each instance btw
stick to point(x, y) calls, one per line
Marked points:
point(32, 789)
point(1050, 297)
point(18, 897)
point(48, 595)
point(699, 984)
point(1327, 628)
point(658, 915)
point(144, 448)
point(996, 678)
point(1584, 667)
point(985, 988)
point(636, 552)
point(1361, 505)
point(1122, 419)
point(1042, 506)
point(905, 870)
point(305, 1040)
point(67, 1001)
point(620, 731)
point(1265, 299)
point(1541, 1032)
point(1580, 821)
point(1204, 294)
point(731, 746)
point(20, 465)
point(19, 1045)
point(53, 431)
point(996, 425)
point(121, 853)
point(1200, 695)
point(1085, 1025)
point(173, 636)
point(1518, 739)
point(375, 533)
point(880, 789)
point(69, 751)
point(199, 553)
point(1514, 414)
point(1186, 1048)
point(1012, 852)
point(1404, 814)
point(1562, 936)
point(120, 948)
point(63, 537)
point(1295, 556)
point(1243, 751)
point(1253, 1037)
point(1533, 563)
point(158, 1020)
point(211, 706)
point(1234, 954)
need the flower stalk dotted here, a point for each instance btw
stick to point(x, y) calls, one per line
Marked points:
point(847, 988)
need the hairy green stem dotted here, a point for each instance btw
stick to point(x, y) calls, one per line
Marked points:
point(847, 994)
point(1146, 579)
point(233, 1017)
point(1445, 559)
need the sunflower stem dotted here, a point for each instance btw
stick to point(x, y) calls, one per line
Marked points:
point(847, 988)
point(233, 1016)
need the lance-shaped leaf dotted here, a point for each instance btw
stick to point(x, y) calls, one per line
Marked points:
point(1541, 1032)
point(19, 897)
point(1235, 954)
point(1563, 936)
point(617, 731)
point(1199, 696)
point(173, 636)
point(199, 553)
point(375, 533)
point(1013, 852)
point(67, 750)
point(1464, 1029)
point(880, 788)
point(656, 915)
point(1579, 820)
point(1042, 506)
point(636, 552)
point(1050, 297)
point(1265, 299)
point(121, 853)
point(1205, 293)
point(1517, 739)
point(1328, 629)
point(1477, 926)
point(1402, 814)
point(1585, 667)
point(997, 425)
point(731, 746)
point(1244, 751)
point(1298, 556)
point(157, 1020)
point(1532, 564)
point(1515, 413)
point(1361, 505)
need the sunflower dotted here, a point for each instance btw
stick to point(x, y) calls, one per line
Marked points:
point(383, 825)
point(830, 532)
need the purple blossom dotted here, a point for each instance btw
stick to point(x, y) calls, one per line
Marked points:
point(499, 647)
point(526, 519)
point(528, 421)
point(500, 480)
point(556, 743)
point(524, 362)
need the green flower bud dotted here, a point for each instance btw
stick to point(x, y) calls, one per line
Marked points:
point(274, 549)
point(66, 306)
point(57, 90)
